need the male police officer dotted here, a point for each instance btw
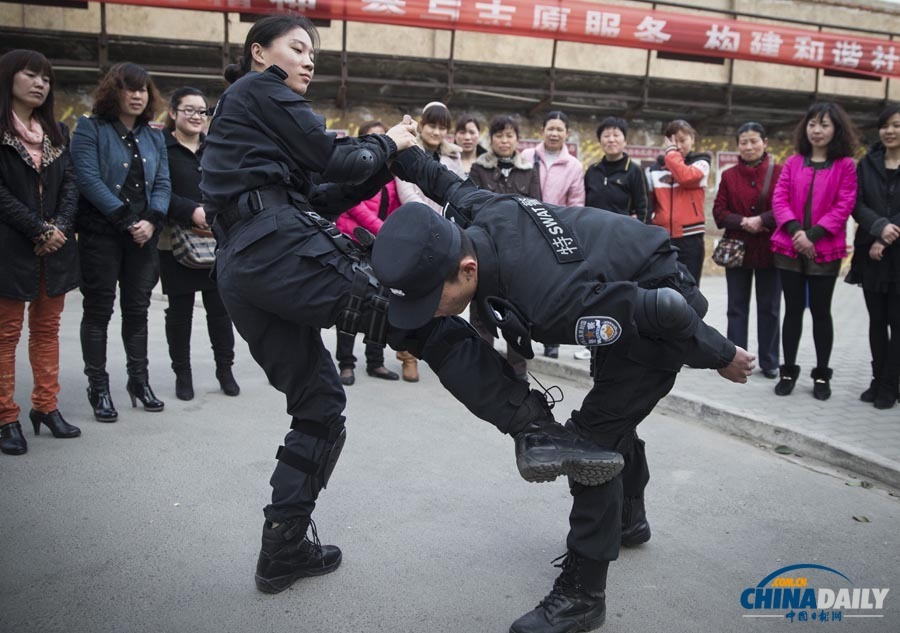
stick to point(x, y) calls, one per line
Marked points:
point(526, 265)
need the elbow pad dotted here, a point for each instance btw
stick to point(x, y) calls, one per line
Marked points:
point(351, 164)
point(664, 313)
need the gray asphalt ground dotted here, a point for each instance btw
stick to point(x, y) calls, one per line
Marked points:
point(152, 524)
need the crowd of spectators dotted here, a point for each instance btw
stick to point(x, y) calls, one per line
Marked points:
point(131, 194)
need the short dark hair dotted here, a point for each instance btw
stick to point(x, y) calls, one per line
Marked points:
point(612, 122)
point(553, 115)
point(176, 99)
point(751, 126)
point(16, 61)
point(125, 76)
point(845, 139)
point(436, 114)
point(464, 120)
point(369, 125)
point(501, 122)
point(466, 249)
point(263, 32)
point(679, 125)
point(887, 113)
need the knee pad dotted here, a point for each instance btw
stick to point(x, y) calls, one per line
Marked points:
point(320, 468)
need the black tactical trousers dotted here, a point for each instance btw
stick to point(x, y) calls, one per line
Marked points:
point(283, 282)
point(629, 380)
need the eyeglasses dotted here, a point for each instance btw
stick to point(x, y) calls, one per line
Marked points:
point(192, 112)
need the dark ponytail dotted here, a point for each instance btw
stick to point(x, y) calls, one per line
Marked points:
point(263, 32)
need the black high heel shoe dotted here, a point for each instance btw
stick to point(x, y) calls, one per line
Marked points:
point(142, 391)
point(101, 402)
point(53, 421)
point(12, 442)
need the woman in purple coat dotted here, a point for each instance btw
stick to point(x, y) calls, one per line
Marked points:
point(743, 207)
point(814, 197)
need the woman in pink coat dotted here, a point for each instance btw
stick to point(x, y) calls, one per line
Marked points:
point(370, 215)
point(562, 176)
point(815, 195)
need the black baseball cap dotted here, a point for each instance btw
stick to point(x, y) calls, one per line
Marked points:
point(415, 250)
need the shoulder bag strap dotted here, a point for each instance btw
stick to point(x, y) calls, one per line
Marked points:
point(767, 183)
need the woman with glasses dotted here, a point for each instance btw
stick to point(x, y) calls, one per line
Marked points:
point(184, 138)
point(40, 259)
point(123, 175)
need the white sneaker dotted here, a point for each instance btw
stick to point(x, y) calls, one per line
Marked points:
point(583, 354)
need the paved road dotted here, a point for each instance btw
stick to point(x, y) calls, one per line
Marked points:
point(152, 524)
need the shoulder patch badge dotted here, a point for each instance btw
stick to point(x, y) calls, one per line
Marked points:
point(597, 330)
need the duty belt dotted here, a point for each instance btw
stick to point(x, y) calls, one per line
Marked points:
point(250, 203)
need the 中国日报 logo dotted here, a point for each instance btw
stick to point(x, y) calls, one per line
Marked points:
point(808, 592)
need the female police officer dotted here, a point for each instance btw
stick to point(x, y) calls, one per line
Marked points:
point(277, 265)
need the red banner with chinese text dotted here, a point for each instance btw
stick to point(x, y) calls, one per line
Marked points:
point(591, 23)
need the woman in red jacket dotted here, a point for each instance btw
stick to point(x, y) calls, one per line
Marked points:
point(743, 207)
point(679, 182)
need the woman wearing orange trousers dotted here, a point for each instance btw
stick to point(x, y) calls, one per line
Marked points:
point(37, 209)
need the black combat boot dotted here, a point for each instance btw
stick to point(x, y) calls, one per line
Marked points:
point(287, 555)
point(788, 381)
point(635, 529)
point(546, 450)
point(577, 602)
point(822, 383)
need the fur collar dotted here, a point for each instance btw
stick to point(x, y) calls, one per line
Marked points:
point(50, 152)
point(488, 160)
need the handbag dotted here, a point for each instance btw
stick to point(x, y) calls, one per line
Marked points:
point(193, 247)
point(729, 252)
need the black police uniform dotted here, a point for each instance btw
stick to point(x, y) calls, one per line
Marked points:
point(281, 276)
point(587, 277)
point(285, 272)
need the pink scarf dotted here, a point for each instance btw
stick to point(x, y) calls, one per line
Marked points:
point(32, 138)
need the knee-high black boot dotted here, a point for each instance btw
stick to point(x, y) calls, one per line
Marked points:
point(221, 336)
point(93, 350)
point(178, 335)
point(138, 378)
